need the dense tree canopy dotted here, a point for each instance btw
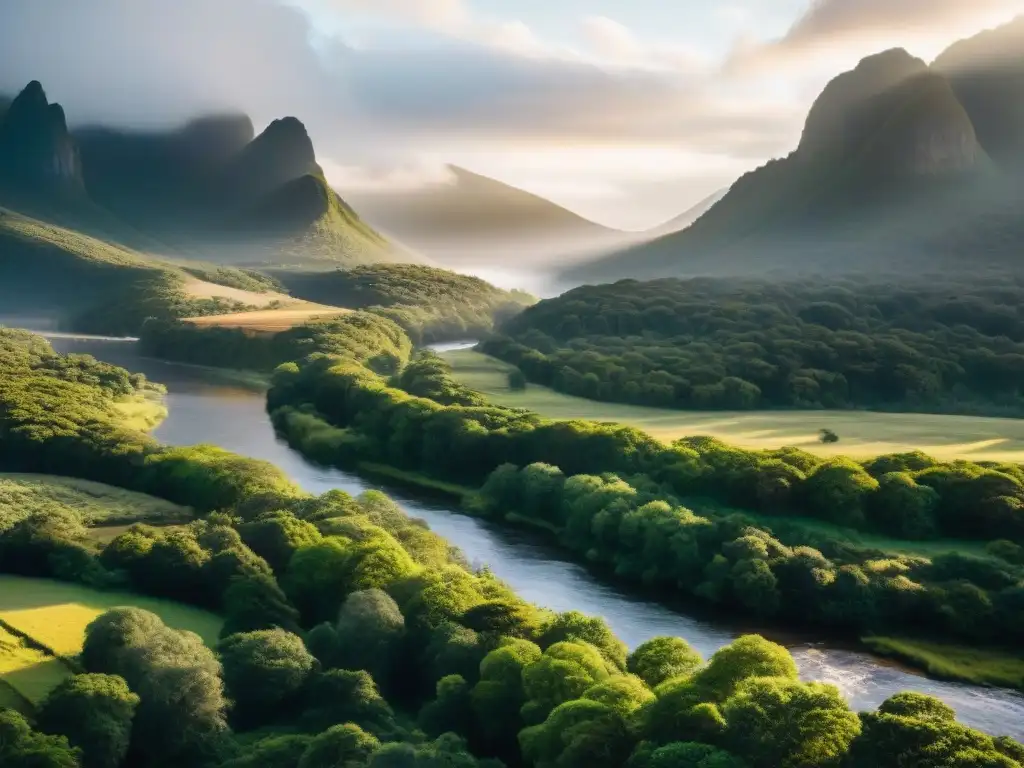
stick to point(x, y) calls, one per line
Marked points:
point(742, 344)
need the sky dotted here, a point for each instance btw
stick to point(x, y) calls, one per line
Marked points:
point(627, 111)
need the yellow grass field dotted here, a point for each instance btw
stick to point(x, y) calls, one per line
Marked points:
point(200, 289)
point(269, 320)
point(28, 671)
point(55, 614)
point(862, 433)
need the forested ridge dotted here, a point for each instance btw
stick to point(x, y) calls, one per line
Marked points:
point(355, 637)
point(915, 344)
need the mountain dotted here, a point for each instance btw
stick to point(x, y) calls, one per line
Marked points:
point(687, 217)
point(884, 148)
point(37, 153)
point(211, 189)
point(987, 74)
point(471, 218)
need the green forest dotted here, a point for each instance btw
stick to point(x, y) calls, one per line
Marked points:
point(354, 636)
point(918, 344)
point(696, 519)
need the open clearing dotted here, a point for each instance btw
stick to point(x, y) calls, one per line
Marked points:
point(28, 671)
point(269, 320)
point(862, 433)
point(200, 289)
point(95, 503)
point(55, 614)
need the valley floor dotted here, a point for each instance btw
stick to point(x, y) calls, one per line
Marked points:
point(862, 433)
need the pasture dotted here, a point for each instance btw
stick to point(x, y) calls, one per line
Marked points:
point(55, 614)
point(95, 503)
point(29, 672)
point(269, 320)
point(862, 433)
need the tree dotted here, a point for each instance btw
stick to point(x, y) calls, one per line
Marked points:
point(21, 746)
point(838, 491)
point(516, 380)
point(578, 734)
point(256, 602)
point(451, 710)
point(827, 436)
point(181, 715)
point(340, 696)
point(782, 723)
point(272, 752)
point(683, 754)
point(563, 673)
point(342, 746)
point(317, 579)
point(663, 658)
point(625, 694)
point(499, 696)
point(576, 626)
point(746, 657)
point(264, 671)
point(911, 729)
point(95, 713)
point(276, 536)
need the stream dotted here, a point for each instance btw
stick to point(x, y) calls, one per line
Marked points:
point(205, 409)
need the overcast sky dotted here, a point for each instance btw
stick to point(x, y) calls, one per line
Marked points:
point(628, 111)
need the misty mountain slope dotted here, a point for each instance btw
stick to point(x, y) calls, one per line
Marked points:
point(234, 197)
point(987, 73)
point(881, 139)
point(687, 217)
point(475, 217)
point(88, 283)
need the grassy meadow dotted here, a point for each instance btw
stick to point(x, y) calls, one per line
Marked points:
point(28, 672)
point(862, 433)
point(95, 503)
point(269, 320)
point(55, 614)
point(953, 662)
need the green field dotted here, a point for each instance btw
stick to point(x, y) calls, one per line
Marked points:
point(862, 433)
point(55, 614)
point(23, 494)
point(979, 666)
point(28, 672)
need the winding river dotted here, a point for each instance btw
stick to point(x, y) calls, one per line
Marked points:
point(205, 410)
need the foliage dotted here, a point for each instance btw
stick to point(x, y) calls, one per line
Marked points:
point(739, 344)
point(21, 746)
point(264, 672)
point(95, 712)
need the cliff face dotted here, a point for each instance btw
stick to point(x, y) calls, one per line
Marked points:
point(892, 116)
point(987, 74)
point(847, 109)
point(282, 153)
point(36, 149)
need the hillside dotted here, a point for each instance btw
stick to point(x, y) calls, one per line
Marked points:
point(885, 148)
point(687, 217)
point(83, 283)
point(987, 73)
point(210, 190)
point(212, 187)
point(475, 219)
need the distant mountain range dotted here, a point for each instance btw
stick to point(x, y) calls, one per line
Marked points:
point(473, 219)
point(901, 165)
point(211, 189)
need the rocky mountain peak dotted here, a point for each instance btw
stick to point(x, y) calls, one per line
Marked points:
point(843, 113)
point(35, 146)
point(282, 153)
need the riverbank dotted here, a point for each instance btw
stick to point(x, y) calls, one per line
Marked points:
point(960, 663)
point(236, 420)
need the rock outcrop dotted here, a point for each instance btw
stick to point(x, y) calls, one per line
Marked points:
point(36, 149)
point(282, 153)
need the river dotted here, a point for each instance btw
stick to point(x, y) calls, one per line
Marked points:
point(203, 409)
